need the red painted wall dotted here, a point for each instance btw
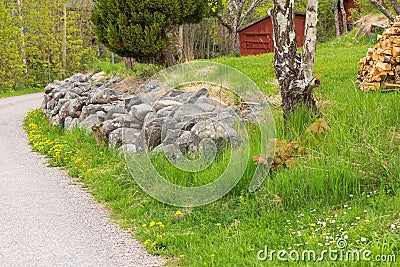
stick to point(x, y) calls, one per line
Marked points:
point(257, 38)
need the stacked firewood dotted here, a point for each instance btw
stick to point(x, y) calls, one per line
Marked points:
point(380, 69)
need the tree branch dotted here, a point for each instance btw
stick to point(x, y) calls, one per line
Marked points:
point(396, 6)
point(382, 9)
point(253, 5)
point(223, 21)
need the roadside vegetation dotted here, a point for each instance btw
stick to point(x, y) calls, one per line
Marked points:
point(345, 187)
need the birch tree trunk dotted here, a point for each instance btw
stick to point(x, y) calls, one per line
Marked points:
point(234, 41)
point(295, 72)
point(336, 16)
point(344, 16)
point(64, 39)
point(21, 46)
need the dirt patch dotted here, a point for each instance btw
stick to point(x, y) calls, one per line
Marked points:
point(214, 91)
point(129, 85)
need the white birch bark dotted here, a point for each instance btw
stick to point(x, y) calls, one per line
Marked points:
point(344, 15)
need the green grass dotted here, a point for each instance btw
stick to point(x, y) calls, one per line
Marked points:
point(142, 70)
point(348, 184)
point(20, 92)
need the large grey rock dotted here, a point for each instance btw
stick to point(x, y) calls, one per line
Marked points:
point(64, 110)
point(183, 98)
point(60, 103)
point(211, 101)
point(160, 104)
point(56, 120)
point(76, 106)
point(122, 136)
point(97, 77)
point(104, 96)
point(70, 123)
point(79, 77)
point(90, 121)
point(183, 140)
point(102, 115)
point(137, 100)
point(64, 88)
point(151, 85)
point(187, 109)
point(140, 111)
point(128, 119)
point(214, 130)
point(174, 92)
point(200, 93)
point(51, 104)
point(171, 136)
point(80, 90)
point(89, 110)
point(71, 95)
point(152, 132)
point(207, 107)
point(113, 80)
point(197, 117)
point(50, 87)
point(110, 125)
point(131, 149)
point(116, 109)
point(57, 95)
point(166, 112)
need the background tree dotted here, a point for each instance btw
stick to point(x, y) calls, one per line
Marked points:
point(232, 17)
point(295, 72)
point(141, 29)
point(12, 65)
point(390, 8)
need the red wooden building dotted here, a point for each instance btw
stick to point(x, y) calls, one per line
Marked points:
point(348, 4)
point(256, 37)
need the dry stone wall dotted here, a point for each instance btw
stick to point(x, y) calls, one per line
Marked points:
point(151, 119)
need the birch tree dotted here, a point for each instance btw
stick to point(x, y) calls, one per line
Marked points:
point(295, 71)
point(233, 17)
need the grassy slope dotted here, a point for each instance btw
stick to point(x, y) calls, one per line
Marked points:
point(347, 185)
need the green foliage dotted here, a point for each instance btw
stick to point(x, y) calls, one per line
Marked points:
point(11, 67)
point(32, 37)
point(139, 29)
point(23, 91)
point(142, 70)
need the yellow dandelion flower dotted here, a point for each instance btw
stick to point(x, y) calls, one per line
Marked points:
point(212, 255)
point(152, 224)
point(312, 224)
point(182, 256)
point(154, 244)
point(178, 212)
point(144, 225)
point(147, 242)
point(218, 224)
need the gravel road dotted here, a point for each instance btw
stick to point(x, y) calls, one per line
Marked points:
point(44, 219)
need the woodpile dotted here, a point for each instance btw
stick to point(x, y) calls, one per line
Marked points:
point(380, 69)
